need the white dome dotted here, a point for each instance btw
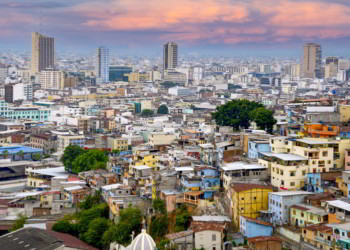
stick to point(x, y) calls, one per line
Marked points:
point(143, 241)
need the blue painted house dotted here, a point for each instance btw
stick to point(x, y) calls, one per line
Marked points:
point(318, 182)
point(190, 183)
point(344, 131)
point(252, 227)
point(210, 180)
point(256, 146)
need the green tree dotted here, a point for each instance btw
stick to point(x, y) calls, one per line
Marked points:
point(36, 157)
point(5, 154)
point(130, 220)
point(159, 222)
point(19, 222)
point(90, 201)
point(163, 109)
point(159, 206)
point(64, 226)
point(146, 113)
point(86, 216)
point(235, 113)
point(115, 151)
point(70, 153)
point(20, 154)
point(91, 159)
point(263, 119)
point(183, 216)
point(94, 234)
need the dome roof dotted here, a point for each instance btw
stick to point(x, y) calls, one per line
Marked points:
point(143, 241)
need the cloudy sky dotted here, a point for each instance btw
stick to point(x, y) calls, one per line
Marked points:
point(210, 26)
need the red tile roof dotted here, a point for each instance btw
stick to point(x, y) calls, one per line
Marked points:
point(261, 222)
point(263, 238)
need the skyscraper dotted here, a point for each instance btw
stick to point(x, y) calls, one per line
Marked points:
point(312, 60)
point(170, 55)
point(102, 65)
point(43, 53)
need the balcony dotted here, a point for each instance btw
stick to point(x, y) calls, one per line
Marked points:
point(319, 239)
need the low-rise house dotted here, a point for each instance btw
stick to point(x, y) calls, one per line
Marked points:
point(320, 182)
point(341, 234)
point(338, 211)
point(182, 240)
point(280, 203)
point(319, 236)
point(250, 227)
point(265, 243)
point(75, 194)
point(237, 171)
point(255, 146)
point(302, 215)
point(247, 200)
point(171, 198)
point(319, 199)
point(39, 177)
point(209, 231)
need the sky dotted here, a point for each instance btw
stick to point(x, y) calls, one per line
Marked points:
point(227, 27)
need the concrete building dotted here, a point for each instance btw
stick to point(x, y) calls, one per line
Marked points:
point(252, 227)
point(51, 79)
point(102, 65)
point(161, 138)
point(312, 60)
point(170, 56)
point(255, 146)
point(280, 203)
point(181, 91)
point(17, 92)
point(66, 140)
point(43, 53)
point(247, 200)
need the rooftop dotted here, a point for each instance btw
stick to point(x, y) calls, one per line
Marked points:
point(289, 193)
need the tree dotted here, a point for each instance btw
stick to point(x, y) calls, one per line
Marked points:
point(159, 222)
point(183, 216)
point(94, 234)
point(5, 154)
point(235, 113)
point(115, 151)
point(21, 154)
point(19, 222)
point(130, 220)
point(70, 153)
point(163, 109)
point(146, 113)
point(36, 157)
point(263, 119)
point(86, 216)
point(64, 226)
point(90, 160)
point(90, 201)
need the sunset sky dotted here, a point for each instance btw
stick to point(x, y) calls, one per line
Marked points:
point(267, 26)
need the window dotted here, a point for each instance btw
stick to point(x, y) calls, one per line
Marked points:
point(302, 214)
point(342, 234)
point(213, 237)
point(294, 212)
point(311, 217)
point(292, 184)
point(242, 199)
point(324, 153)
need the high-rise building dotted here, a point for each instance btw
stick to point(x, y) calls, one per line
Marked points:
point(51, 79)
point(332, 59)
point(312, 60)
point(102, 65)
point(18, 92)
point(43, 52)
point(170, 56)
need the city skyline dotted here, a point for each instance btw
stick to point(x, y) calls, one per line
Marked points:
point(212, 26)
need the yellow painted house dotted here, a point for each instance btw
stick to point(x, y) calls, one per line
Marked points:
point(247, 200)
point(148, 160)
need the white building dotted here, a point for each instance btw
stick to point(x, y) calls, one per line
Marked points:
point(181, 91)
point(51, 79)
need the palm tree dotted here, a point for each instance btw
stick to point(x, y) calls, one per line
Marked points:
point(21, 154)
point(5, 154)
